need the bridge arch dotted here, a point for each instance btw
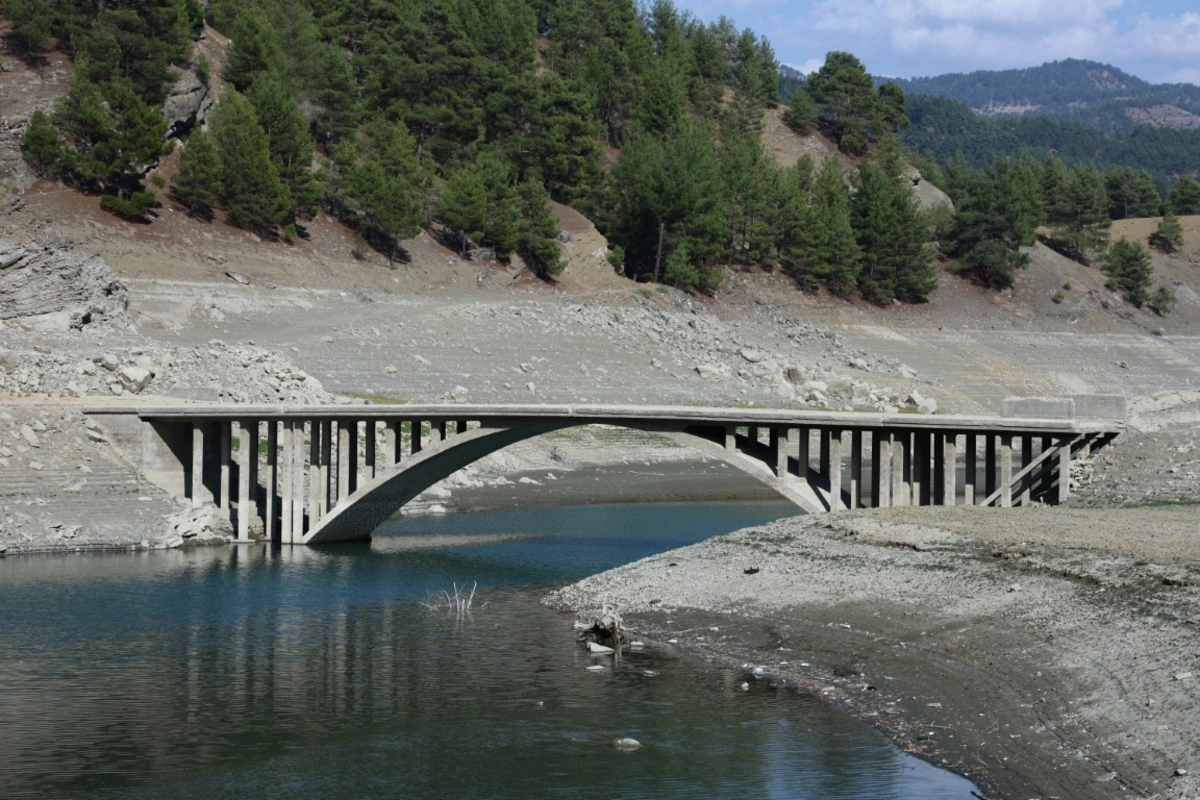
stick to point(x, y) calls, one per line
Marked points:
point(358, 514)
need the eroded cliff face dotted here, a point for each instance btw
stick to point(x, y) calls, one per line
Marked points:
point(55, 288)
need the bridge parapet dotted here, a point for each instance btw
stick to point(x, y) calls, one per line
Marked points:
point(316, 474)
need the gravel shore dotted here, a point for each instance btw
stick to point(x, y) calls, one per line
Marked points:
point(1040, 652)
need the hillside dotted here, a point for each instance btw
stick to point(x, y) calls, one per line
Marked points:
point(1070, 88)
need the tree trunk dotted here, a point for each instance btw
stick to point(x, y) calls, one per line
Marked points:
point(658, 255)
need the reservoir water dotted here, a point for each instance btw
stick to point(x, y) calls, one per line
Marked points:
point(332, 673)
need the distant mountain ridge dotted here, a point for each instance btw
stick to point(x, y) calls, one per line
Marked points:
point(1099, 95)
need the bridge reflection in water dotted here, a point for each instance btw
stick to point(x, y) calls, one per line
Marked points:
point(321, 474)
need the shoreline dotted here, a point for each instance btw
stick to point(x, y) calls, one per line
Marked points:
point(976, 641)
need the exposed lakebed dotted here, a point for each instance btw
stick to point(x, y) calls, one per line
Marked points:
point(320, 673)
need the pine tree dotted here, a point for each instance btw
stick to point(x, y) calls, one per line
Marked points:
point(1168, 237)
point(383, 186)
point(993, 221)
point(197, 183)
point(1081, 222)
point(538, 229)
point(288, 140)
point(844, 95)
point(892, 236)
point(254, 196)
point(1185, 196)
point(800, 116)
point(1129, 269)
point(43, 148)
point(828, 250)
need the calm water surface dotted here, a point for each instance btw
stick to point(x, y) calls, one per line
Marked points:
point(308, 673)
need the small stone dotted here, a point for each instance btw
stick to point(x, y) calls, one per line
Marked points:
point(36, 466)
point(753, 356)
point(1182, 676)
point(390, 369)
point(29, 436)
point(626, 743)
point(1180, 772)
point(237, 276)
point(1016, 587)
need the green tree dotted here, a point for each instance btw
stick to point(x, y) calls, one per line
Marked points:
point(288, 140)
point(42, 147)
point(844, 96)
point(994, 220)
point(1131, 193)
point(1080, 223)
point(537, 230)
point(254, 196)
point(800, 115)
point(1127, 264)
point(33, 22)
point(1168, 236)
point(893, 237)
point(1185, 196)
point(827, 249)
point(197, 184)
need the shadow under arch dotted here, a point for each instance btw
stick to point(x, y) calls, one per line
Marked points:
point(357, 516)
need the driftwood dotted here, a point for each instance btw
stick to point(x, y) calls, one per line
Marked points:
point(606, 629)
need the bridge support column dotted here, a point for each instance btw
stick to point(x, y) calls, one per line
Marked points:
point(949, 469)
point(1026, 459)
point(832, 447)
point(245, 455)
point(881, 469)
point(803, 446)
point(197, 487)
point(285, 483)
point(920, 467)
point(1064, 471)
point(298, 443)
point(415, 436)
point(345, 461)
point(990, 464)
point(270, 519)
point(970, 470)
point(315, 509)
point(370, 466)
point(856, 443)
point(224, 485)
point(901, 469)
point(324, 474)
point(1006, 494)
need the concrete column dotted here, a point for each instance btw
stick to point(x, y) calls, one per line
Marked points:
point(1026, 460)
point(372, 469)
point(416, 435)
point(855, 468)
point(920, 467)
point(396, 426)
point(325, 487)
point(245, 454)
point(437, 431)
point(1046, 471)
point(1006, 493)
point(286, 453)
point(780, 451)
point(252, 433)
point(462, 426)
point(1064, 470)
point(731, 438)
point(971, 470)
point(225, 482)
point(881, 472)
point(346, 460)
point(197, 463)
point(832, 447)
point(989, 468)
point(791, 443)
point(901, 470)
point(950, 469)
point(271, 518)
point(937, 480)
point(315, 482)
point(298, 443)
point(391, 444)
point(803, 440)
point(352, 465)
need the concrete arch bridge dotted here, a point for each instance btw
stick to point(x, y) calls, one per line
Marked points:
point(323, 474)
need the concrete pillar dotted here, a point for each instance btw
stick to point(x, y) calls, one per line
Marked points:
point(779, 451)
point(731, 438)
point(1026, 460)
point(823, 456)
point(855, 468)
point(989, 469)
point(197, 463)
point(315, 479)
point(881, 469)
point(437, 431)
point(901, 470)
point(298, 446)
point(791, 443)
point(391, 444)
point(920, 467)
point(252, 433)
point(1046, 472)
point(225, 481)
point(1006, 472)
point(286, 452)
point(346, 460)
point(971, 470)
point(352, 465)
point(937, 480)
point(1064, 470)
point(326, 479)
point(245, 455)
point(803, 440)
point(271, 517)
point(950, 469)
point(462, 426)
point(834, 458)
point(372, 469)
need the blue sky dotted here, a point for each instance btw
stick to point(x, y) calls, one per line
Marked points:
point(1158, 40)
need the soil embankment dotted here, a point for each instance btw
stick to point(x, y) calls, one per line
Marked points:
point(1041, 652)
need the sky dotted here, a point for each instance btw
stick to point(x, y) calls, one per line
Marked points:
point(1158, 40)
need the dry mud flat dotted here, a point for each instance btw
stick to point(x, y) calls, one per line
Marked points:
point(1042, 652)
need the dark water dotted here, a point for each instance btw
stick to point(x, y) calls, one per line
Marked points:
point(319, 674)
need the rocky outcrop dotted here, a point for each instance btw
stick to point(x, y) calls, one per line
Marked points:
point(51, 288)
point(187, 105)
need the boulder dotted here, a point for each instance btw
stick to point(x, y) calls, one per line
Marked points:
point(55, 288)
point(134, 379)
point(710, 372)
point(187, 104)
